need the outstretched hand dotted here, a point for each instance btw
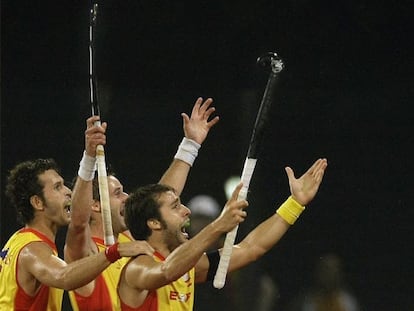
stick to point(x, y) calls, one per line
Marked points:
point(304, 189)
point(198, 126)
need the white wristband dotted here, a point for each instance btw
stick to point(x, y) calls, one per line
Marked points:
point(87, 167)
point(187, 151)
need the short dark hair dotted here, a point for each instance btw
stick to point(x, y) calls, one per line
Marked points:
point(141, 206)
point(23, 182)
point(95, 182)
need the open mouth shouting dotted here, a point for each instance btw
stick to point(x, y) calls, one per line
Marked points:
point(183, 228)
point(67, 207)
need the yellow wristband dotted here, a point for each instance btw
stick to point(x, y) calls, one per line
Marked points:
point(290, 210)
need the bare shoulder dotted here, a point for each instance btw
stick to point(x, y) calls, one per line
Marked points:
point(37, 256)
point(138, 270)
point(35, 250)
point(140, 263)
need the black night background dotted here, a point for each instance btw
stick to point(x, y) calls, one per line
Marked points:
point(345, 94)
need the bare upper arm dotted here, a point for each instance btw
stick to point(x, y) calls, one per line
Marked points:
point(201, 269)
point(144, 273)
point(38, 264)
point(240, 257)
point(78, 244)
point(135, 283)
point(243, 254)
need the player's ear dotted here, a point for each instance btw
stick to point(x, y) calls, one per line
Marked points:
point(96, 206)
point(36, 202)
point(153, 224)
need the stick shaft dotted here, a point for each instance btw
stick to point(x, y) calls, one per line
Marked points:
point(250, 163)
point(109, 238)
point(220, 277)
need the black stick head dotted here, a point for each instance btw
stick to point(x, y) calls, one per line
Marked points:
point(272, 59)
point(94, 14)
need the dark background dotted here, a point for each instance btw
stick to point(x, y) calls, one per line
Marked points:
point(344, 94)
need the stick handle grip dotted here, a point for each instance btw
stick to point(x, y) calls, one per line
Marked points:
point(104, 196)
point(220, 277)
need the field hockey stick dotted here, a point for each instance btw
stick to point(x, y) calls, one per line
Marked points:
point(276, 65)
point(100, 152)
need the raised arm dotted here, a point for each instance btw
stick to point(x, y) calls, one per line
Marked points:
point(78, 237)
point(196, 129)
point(269, 232)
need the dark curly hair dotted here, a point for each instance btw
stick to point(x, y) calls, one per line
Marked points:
point(23, 182)
point(142, 205)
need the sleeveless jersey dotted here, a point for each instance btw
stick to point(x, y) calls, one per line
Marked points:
point(12, 296)
point(176, 296)
point(104, 296)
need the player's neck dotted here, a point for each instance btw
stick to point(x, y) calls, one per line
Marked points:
point(97, 229)
point(159, 246)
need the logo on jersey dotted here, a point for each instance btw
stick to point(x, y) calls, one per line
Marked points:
point(3, 256)
point(179, 296)
point(3, 253)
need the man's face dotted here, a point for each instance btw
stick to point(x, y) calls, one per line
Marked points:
point(175, 217)
point(117, 198)
point(57, 198)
